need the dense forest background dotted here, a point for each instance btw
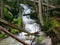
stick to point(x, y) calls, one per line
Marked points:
point(46, 12)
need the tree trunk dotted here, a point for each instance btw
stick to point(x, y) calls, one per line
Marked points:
point(40, 12)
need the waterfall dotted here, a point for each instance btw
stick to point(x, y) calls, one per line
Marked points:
point(31, 26)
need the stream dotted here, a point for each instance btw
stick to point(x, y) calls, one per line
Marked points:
point(31, 26)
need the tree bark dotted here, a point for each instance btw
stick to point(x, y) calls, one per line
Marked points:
point(40, 12)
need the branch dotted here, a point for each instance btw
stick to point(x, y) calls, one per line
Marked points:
point(12, 35)
point(15, 27)
point(44, 4)
point(50, 6)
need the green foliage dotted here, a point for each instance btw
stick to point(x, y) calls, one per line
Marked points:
point(1, 35)
point(47, 26)
point(50, 24)
point(14, 31)
point(58, 44)
point(40, 39)
point(54, 23)
point(19, 20)
point(11, 10)
point(55, 31)
point(7, 14)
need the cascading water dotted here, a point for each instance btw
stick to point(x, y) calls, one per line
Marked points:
point(27, 21)
point(31, 25)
